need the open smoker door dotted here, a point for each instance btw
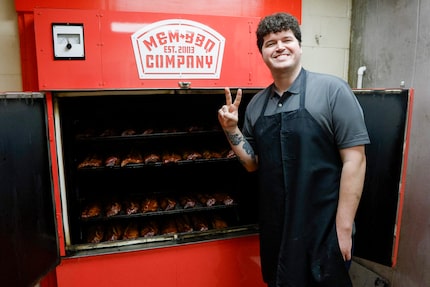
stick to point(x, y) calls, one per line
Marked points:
point(388, 116)
point(28, 236)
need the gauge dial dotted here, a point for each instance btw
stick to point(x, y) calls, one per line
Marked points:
point(68, 40)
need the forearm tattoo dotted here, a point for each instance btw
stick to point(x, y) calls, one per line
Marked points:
point(248, 149)
point(236, 139)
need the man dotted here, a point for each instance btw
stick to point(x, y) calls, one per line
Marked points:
point(305, 135)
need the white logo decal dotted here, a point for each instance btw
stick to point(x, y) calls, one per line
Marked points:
point(178, 48)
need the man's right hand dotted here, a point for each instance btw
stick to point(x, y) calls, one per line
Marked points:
point(228, 115)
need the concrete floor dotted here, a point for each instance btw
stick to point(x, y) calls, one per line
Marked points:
point(363, 277)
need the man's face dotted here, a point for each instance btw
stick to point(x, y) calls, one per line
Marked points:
point(281, 51)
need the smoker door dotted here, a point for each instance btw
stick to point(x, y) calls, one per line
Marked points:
point(28, 241)
point(387, 115)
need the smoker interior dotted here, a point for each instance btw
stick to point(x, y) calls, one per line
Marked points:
point(100, 125)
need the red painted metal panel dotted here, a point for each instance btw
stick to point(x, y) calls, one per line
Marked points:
point(25, 9)
point(110, 61)
point(119, 65)
point(55, 176)
point(403, 178)
point(68, 74)
point(247, 8)
point(50, 280)
point(28, 52)
point(109, 57)
point(226, 263)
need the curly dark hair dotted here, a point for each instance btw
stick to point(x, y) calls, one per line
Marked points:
point(276, 23)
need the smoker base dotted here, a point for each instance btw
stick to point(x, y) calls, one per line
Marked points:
point(228, 263)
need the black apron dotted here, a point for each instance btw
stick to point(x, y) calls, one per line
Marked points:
point(299, 169)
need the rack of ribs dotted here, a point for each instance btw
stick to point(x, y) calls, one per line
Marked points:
point(149, 204)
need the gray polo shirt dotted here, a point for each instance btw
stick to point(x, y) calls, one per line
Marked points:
point(329, 100)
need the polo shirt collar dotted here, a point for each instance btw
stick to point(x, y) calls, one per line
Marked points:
point(294, 88)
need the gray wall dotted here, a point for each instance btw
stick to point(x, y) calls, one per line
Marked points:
point(10, 67)
point(392, 39)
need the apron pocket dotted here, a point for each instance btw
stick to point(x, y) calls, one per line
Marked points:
point(328, 267)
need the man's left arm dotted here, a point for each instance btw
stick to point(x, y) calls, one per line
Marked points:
point(351, 187)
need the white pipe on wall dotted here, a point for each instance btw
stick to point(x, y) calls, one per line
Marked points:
point(360, 73)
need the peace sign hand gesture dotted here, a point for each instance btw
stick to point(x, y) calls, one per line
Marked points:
point(228, 115)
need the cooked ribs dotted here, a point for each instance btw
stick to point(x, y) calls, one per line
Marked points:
point(230, 154)
point(128, 132)
point(148, 131)
point(91, 210)
point(113, 208)
point(211, 154)
point(91, 161)
point(199, 223)
point(149, 229)
point(132, 207)
point(191, 155)
point(167, 203)
point(112, 161)
point(183, 223)
point(187, 201)
point(223, 198)
point(149, 204)
point(151, 158)
point(218, 223)
point(169, 227)
point(114, 232)
point(206, 199)
point(131, 231)
point(171, 158)
point(133, 157)
point(95, 234)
